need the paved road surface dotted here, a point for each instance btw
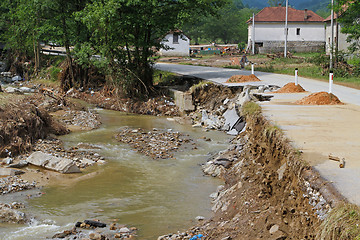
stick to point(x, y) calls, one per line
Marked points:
point(316, 130)
point(220, 75)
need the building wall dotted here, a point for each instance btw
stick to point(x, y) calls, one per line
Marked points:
point(293, 46)
point(311, 36)
point(340, 40)
point(176, 49)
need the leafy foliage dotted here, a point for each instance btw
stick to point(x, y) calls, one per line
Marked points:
point(275, 3)
point(349, 12)
point(228, 26)
point(125, 33)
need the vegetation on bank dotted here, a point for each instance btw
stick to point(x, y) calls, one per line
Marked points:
point(113, 38)
point(342, 223)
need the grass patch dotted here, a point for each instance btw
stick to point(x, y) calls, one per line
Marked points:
point(163, 77)
point(308, 65)
point(199, 85)
point(341, 223)
point(250, 108)
point(269, 130)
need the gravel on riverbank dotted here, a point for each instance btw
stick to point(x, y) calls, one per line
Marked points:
point(157, 144)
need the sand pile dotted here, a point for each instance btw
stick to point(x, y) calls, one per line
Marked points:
point(320, 98)
point(243, 78)
point(290, 88)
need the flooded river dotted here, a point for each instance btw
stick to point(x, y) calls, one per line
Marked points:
point(156, 196)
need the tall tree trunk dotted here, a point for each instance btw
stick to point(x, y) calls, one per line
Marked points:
point(36, 55)
point(68, 54)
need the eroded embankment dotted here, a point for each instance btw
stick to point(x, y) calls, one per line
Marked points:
point(269, 192)
point(21, 124)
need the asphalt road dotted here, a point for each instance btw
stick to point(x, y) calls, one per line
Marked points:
point(316, 130)
point(220, 75)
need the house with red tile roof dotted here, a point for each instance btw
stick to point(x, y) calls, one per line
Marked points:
point(306, 31)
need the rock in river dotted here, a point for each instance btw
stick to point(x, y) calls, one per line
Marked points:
point(62, 165)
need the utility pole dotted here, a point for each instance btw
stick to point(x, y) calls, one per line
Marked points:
point(286, 28)
point(253, 34)
point(332, 35)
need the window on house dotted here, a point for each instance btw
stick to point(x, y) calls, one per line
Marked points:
point(298, 31)
point(175, 38)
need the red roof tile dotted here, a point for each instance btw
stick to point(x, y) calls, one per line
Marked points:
point(277, 14)
point(329, 17)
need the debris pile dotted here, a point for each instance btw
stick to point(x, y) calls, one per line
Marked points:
point(157, 106)
point(85, 120)
point(96, 230)
point(9, 214)
point(320, 98)
point(217, 107)
point(155, 144)
point(290, 88)
point(21, 124)
point(243, 79)
point(14, 184)
point(82, 158)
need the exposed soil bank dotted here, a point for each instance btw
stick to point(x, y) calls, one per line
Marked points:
point(269, 192)
point(157, 106)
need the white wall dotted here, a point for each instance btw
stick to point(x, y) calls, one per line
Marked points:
point(176, 49)
point(276, 32)
point(342, 43)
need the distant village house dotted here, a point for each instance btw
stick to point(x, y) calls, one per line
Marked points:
point(178, 44)
point(339, 41)
point(306, 31)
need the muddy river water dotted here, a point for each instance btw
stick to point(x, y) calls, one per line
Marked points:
point(155, 196)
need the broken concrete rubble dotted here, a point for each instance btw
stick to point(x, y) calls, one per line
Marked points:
point(225, 116)
point(10, 172)
point(62, 165)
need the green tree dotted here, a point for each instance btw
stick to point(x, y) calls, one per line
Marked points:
point(275, 3)
point(349, 12)
point(22, 28)
point(65, 29)
point(228, 26)
point(125, 33)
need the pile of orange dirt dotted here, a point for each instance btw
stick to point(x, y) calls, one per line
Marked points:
point(243, 78)
point(320, 98)
point(290, 88)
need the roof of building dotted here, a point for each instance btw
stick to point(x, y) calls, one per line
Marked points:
point(278, 14)
point(329, 17)
point(178, 31)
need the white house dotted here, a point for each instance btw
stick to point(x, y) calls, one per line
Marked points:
point(306, 31)
point(340, 43)
point(178, 44)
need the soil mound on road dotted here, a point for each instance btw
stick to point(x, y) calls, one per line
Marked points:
point(290, 88)
point(320, 98)
point(243, 78)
